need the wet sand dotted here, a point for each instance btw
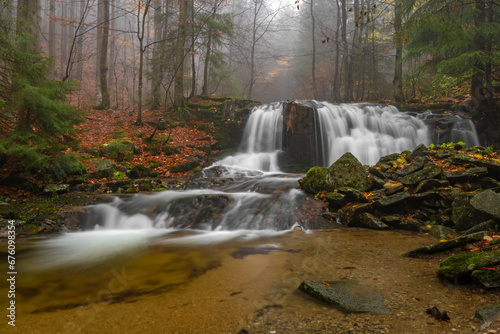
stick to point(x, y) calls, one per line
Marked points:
point(224, 289)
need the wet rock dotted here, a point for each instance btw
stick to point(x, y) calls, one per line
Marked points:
point(486, 314)
point(392, 187)
point(377, 182)
point(316, 181)
point(457, 267)
point(492, 166)
point(56, 188)
point(102, 169)
point(368, 220)
point(335, 200)
point(350, 215)
point(377, 171)
point(410, 224)
point(348, 296)
point(441, 232)
point(450, 244)
point(466, 175)
point(347, 171)
point(352, 195)
point(429, 171)
point(487, 202)
point(388, 159)
point(417, 164)
point(419, 151)
point(431, 184)
point(487, 278)
point(391, 200)
point(464, 215)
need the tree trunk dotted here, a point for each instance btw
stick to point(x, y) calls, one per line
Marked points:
point(313, 62)
point(64, 41)
point(398, 73)
point(193, 56)
point(140, 37)
point(256, 10)
point(103, 66)
point(345, 52)
point(79, 53)
point(207, 56)
point(336, 80)
point(113, 52)
point(156, 74)
point(52, 35)
point(179, 55)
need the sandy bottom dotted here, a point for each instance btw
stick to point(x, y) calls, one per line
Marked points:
point(245, 287)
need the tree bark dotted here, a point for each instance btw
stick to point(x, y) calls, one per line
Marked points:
point(52, 34)
point(313, 62)
point(337, 78)
point(64, 41)
point(345, 52)
point(157, 57)
point(140, 37)
point(103, 64)
point(179, 55)
point(398, 73)
point(193, 55)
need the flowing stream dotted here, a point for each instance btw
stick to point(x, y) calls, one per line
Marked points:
point(230, 257)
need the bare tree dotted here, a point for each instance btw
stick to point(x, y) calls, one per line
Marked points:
point(179, 54)
point(140, 36)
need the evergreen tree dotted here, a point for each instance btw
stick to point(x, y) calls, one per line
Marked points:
point(459, 42)
point(37, 125)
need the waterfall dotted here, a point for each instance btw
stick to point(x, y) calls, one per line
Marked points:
point(368, 131)
point(261, 143)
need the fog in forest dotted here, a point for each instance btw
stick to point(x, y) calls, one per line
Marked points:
point(258, 49)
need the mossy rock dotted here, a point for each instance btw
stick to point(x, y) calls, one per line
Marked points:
point(458, 266)
point(185, 167)
point(120, 150)
point(315, 181)
point(140, 171)
point(102, 169)
point(348, 172)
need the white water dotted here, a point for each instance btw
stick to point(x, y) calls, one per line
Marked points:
point(367, 131)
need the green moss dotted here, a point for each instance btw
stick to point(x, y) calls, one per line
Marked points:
point(315, 180)
point(118, 134)
point(120, 150)
point(461, 265)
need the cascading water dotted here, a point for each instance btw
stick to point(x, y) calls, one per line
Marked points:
point(262, 201)
point(367, 131)
point(261, 143)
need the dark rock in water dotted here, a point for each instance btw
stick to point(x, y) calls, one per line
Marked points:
point(316, 181)
point(335, 200)
point(487, 202)
point(466, 175)
point(418, 151)
point(391, 200)
point(347, 171)
point(370, 221)
point(429, 171)
point(464, 215)
point(246, 251)
point(431, 184)
point(487, 278)
point(441, 232)
point(350, 215)
point(417, 164)
point(486, 314)
point(450, 244)
point(348, 296)
point(457, 267)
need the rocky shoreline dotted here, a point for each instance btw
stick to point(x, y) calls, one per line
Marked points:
point(449, 191)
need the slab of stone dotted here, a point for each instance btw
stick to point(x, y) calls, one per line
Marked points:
point(467, 174)
point(461, 265)
point(486, 314)
point(417, 164)
point(450, 244)
point(391, 200)
point(430, 184)
point(487, 202)
point(56, 188)
point(348, 296)
point(430, 171)
point(464, 215)
point(348, 172)
point(372, 222)
point(418, 151)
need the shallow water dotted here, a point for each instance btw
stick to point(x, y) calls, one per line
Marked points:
point(176, 283)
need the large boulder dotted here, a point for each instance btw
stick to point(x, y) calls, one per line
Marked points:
point(102, 169)
point(429, 171)
point(487, 202)
point(348, 296)
point(316, 181)
point(347, 171)
point(464, 215)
